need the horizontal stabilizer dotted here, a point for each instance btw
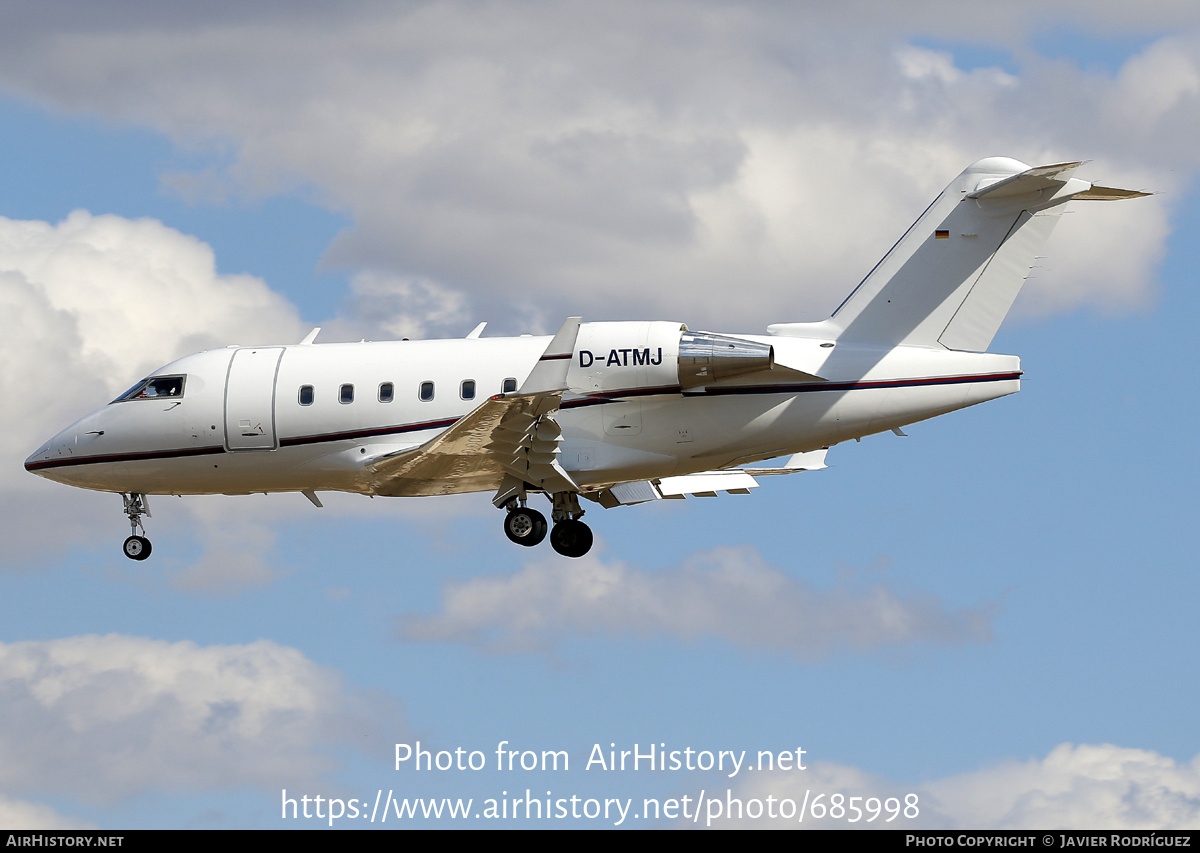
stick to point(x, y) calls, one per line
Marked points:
point(1108, 194)
point(1028, 181)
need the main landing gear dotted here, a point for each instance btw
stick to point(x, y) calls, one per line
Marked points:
point(569, 536)
point(136, 505)
point(525, 526)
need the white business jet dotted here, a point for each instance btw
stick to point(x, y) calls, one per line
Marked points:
point(617, 413)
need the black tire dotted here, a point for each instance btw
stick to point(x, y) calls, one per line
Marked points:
point(136, 547)
point(571, 538)
point(525, 526)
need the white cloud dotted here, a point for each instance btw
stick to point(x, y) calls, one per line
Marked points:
point(22, 814)
point(729, 593)
point(1074, 787)
point(237, 539)
point(1077, 269)
point(95, 302)
point(1163, 79)
point(1078, 787)
point(521, 162)
point(237, 534)
point(736, 165)
point(103, 718)
point(91, 304)
point(394, 308)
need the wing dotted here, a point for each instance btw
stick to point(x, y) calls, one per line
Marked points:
point(706, 484)
point(508, 436)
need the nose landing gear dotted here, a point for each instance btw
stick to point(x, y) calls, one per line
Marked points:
point(136, 505)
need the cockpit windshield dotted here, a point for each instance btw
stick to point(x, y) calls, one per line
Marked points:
point(155, 388)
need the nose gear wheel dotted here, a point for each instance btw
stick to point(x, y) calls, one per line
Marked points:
point(136, 547)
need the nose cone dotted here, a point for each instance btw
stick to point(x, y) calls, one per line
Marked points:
point(38, 455)
point(52, 455)
point(58, 459)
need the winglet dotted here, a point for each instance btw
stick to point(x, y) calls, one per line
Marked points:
point(477, 331)
point(550, 373)
point(310, 337)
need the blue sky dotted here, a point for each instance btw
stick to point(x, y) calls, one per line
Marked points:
point(413, 170)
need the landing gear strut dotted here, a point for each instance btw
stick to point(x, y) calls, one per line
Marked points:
point(136, 505)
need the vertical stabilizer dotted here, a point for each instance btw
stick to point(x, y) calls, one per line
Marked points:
point(952, 278)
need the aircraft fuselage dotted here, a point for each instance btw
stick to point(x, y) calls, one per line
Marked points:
point(307, 417)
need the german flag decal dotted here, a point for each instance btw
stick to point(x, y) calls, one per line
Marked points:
point(941, 235)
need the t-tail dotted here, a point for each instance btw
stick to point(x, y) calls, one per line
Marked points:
point(951, 279)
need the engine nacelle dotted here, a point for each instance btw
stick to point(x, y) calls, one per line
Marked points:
point(643, 356)
point(705, 357)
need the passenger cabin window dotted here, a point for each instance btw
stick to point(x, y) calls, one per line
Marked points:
point(387, 392)
point(306, 395)
point(510, 385)
point(346, 394)
point(154, 388)
point(426, 392)
point(467, 391)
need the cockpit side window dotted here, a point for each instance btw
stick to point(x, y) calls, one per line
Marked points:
point(155, 388)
